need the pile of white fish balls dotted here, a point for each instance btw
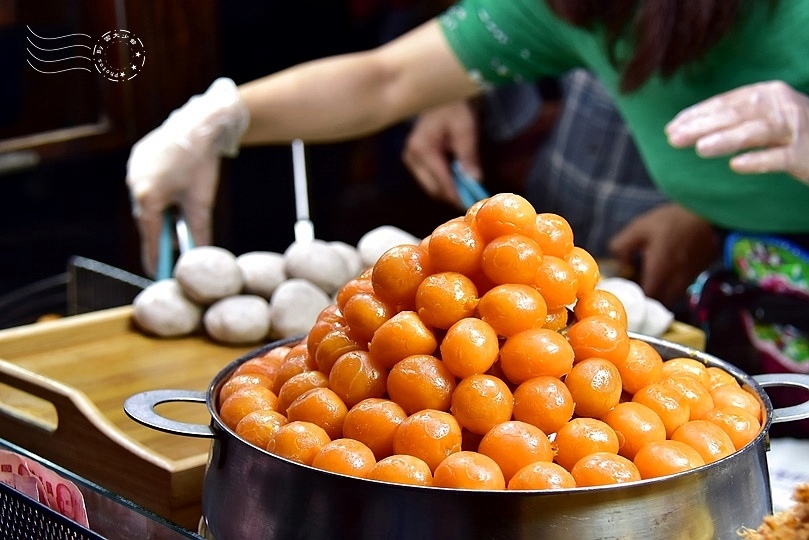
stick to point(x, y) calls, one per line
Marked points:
point(259, 295)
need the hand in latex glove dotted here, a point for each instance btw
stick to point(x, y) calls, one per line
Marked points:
point(770, 119)
point(673, 245)
point(439, 136)
point(178, 164)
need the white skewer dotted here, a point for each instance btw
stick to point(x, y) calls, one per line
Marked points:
point(304, 228)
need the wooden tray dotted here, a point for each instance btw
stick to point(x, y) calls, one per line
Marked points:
point(62, 388)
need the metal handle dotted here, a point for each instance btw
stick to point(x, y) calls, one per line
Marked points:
point(794, 380)
point(141, 409)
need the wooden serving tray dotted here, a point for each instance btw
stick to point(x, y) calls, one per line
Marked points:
point(62, 388)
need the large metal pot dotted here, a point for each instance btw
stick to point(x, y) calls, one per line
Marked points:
point(249, 493)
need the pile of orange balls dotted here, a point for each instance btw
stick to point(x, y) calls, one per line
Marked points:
point(485, 358)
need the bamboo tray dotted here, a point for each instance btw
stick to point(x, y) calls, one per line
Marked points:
point(62, 388)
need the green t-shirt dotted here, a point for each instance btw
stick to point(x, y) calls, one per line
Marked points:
point(505, 41)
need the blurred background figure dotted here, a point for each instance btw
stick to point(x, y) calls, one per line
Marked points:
point(563, 145)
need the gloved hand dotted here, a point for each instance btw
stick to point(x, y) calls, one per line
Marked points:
point(770, 119)
point(178, 164)
point(673, 246)
point(439, 136)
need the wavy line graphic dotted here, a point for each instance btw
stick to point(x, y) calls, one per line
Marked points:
point(57, 71)
point(57, 37)
point(58, 48)
point(57, 57)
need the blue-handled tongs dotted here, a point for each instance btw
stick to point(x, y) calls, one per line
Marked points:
point(172, 225)
point(469, 190)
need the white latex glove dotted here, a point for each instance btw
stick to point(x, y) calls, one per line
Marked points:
point(178, 164)
point(439, 136)
point(770, 119)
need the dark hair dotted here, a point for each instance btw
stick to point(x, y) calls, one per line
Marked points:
point(666, 34)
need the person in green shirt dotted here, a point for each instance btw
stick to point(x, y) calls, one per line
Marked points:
point(727, 77)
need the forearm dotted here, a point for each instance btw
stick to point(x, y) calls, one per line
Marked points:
point(352, 95)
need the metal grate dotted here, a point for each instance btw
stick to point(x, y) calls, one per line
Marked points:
point(23, 518)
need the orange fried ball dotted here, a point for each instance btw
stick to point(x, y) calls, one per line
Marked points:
point(402, 469)
point(600, 302)
point(481, 402)
point(403, 335)
point(534, 353)
point(740, 425)
point(581, 437)
point(429, 435)
point(512, 308)
point(513, 258)
point(298, 360)
point(445, 298)
point(514, 444)
point(356, 375)
point(297, 385)
point(333, 345)
point(718, 376)
point(643, 365)
point(397, 273)
point(556, 281)
point(728, 395)
point(320, 406)
point(705, 437)
point(505, 213)
point(345, 456)
point(373, 421)
point(258, 427)
point(604, 468)
point(468, 470)
point(298, 441)
point(635, 425)
point(358, 285)
point(600, 337)
point(585, 269)
point(553, 234)
point(364, 313)
point(242, 380)
point(695, 393)
point(266, 364)
point(544, 402)
point(542, 475)
point(421, 382)
point(690, 367)
point(556, 319)
point(595, 385)
point(244, 401)
point(469, 347)
point(662, 458)
point(456, 246)
point(668, 403)
point(319, 330)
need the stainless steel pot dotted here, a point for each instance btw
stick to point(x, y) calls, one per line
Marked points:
point(249, 493)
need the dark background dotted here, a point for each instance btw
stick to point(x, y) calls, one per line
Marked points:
point(74, 201)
